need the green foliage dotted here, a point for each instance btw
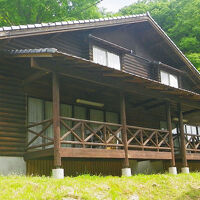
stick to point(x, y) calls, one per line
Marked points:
point(195, 59)
point(179, 18)
point(15, 12)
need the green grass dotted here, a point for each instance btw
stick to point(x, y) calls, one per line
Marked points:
point(180, 187)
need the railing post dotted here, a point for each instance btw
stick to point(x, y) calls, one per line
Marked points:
point(172, 169)
point(126, 171)
point(185, 168)
point(57, 172)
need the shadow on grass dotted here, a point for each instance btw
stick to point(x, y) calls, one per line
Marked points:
point(191, 194)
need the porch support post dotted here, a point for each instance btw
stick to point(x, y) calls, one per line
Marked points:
point(172, 168)
point(185, 168)
point(126, 171)
point(57, 172)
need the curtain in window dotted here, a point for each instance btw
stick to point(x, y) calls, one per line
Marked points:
point(99, 56)
point(169, 79)
point(96, 115)
point(113, 60)
point(66, 111)
point(173, 80)
point(35, 114)
point(80, 112)
point(164, 77)
point(113, 118)
point(49, 115)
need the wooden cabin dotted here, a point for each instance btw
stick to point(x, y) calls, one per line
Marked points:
point(96, 96)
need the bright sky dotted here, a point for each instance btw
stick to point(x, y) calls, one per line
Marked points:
point(115, 5)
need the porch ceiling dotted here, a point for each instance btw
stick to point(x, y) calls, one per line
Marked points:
point(79, 68)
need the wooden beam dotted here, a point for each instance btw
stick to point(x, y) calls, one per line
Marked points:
point(56, 121)
point(191, 111)
point(193, 156)
point(143, 103)
point(115, 84)
point(124, 132)
point(34, 77)
point(182, 136)
point(169, 126)
point(113, 153)
point(38, 154)
point(154, 106)
point(110, 44)
point(36, 65)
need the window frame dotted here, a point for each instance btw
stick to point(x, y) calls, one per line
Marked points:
point(107, 52)
point(168, 77)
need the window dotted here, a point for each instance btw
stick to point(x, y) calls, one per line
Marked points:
point(38, 110)
point(104, 57)
point(169, 79)
point(191, 129)
point(163, 126)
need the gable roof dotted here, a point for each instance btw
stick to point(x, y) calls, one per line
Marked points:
point(46, 28)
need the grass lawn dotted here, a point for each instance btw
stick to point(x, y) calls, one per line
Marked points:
point(180, 187)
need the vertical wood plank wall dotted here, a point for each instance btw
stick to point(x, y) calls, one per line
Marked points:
point(74, 167)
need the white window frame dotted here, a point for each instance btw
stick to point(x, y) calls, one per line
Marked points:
point(107, 53)
point(189, 129)
point(169, 75)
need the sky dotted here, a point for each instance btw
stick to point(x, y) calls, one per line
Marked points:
point(115, 5)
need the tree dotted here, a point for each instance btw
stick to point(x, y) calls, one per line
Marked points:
point(178, 18)
point(15, 12)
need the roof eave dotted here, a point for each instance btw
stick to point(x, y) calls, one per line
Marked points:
point(174, 46)
point(89, 24)
point(57, 53)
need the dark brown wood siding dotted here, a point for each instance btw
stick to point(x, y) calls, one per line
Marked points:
point(74, 167)
point(136, 66)
point(12, 115)
point(71, 43)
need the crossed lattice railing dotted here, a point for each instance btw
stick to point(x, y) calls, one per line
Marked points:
point(147, 139)
point(93, 134)
point(37, 135)
point(192, 143)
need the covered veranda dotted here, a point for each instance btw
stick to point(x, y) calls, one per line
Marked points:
point(141, 103)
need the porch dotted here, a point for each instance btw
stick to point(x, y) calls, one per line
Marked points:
point(138, 101)
point(94, 139)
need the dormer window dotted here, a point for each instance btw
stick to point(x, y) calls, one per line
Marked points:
point(169, 79)
point(104, 57)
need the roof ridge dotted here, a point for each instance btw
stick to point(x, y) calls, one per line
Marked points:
point(62, 23)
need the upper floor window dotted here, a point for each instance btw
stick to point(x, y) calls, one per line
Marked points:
point(169, 79)
point(104, 57)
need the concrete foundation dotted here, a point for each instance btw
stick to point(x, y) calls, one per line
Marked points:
point(126, 172)
point(173, 170)
point(12, 165)
point(58, 173)
point(185, 170)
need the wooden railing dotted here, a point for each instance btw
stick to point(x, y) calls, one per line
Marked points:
point(37, 136)
point(93, 134)
point(148, 139)
point(192, 143)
